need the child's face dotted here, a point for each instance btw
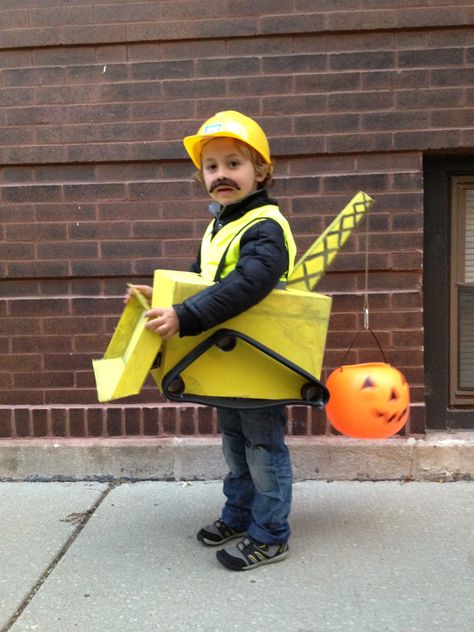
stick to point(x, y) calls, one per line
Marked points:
point(229, 175)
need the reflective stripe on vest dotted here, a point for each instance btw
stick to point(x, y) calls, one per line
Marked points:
point(226, 242)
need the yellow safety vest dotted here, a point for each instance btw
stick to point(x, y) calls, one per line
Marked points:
point(220, 253)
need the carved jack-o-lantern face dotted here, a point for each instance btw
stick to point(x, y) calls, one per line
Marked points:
point(368, 401)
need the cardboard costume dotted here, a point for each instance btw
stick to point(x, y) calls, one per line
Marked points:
point(270, 354)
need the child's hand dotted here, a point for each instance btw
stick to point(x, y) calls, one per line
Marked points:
point(163, 321)
point(146, 290)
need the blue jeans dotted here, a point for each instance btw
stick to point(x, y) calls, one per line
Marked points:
point(258, 486)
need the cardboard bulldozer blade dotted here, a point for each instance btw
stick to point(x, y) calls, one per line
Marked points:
point(132, 348)
point(271, 353)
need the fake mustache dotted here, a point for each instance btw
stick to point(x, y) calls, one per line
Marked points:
point(224, 182)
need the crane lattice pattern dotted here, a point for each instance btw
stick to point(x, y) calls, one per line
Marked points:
point(313, 264)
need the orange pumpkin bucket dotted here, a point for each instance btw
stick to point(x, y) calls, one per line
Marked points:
point(368, 401)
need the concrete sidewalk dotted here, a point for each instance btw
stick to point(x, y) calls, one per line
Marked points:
point(122, 557)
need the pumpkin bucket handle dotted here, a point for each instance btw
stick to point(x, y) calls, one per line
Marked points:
point(355, 339)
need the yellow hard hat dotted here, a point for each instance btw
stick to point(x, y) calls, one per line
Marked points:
point(230, 124)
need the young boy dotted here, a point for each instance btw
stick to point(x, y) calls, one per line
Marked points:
point(248, 250)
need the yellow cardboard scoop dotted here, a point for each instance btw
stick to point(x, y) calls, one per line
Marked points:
point(130, 354)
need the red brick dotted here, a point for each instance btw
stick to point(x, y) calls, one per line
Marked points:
point(33, 344)
point(32, 154)
point(95, 422)
point(431, 57)
point(276, 84)
point(406, 300)
point(360, 101)
point(288, 64)
point(89, 34)
point(12, 289)
point(77, 422)
point(16, 251)
point(299, 420)
point(6, 380)
point(85, 379)
point(396, 120)
point(40, 422)
point(327, 123)
point(262, 45)
point(158, 70)
point(187, 420)
point(38, 269)
point(98, 306)
point(88, 343)
point(93, 268)
point(14, 19)
point(112, 53)
point(318, 423)
point(276, 24)
point(135, 12)
point(59, 422)
point(61, 15)
point(22, 427)
point(452, 77)
point(158, 190)
point(6, 424)
point(167, 417)
point(369, 60)
point(132, 421)
point(17, 362)
point(206, 422)
point(18, 397)
point(150, 421)
point(350, 143)
point(169, 109)
point(417, 420)
point(198, 49)
point(176, 9)
point(432, 16)
point(129, 248)
point(113, 422)
point(430, 98)
point(72, 325)
point(16, 213)
point(44, 380)
point(294, 104)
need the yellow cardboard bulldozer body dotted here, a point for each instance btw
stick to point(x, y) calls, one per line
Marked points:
point(257, 355)
point(271, 353)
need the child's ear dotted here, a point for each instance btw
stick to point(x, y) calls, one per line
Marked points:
point(261, 173)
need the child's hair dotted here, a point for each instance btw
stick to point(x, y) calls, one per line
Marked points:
point(261, 167)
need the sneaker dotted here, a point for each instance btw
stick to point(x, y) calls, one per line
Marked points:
point(218, 533)
point(249, 554)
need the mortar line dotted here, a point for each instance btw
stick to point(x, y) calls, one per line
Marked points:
point(58, 557)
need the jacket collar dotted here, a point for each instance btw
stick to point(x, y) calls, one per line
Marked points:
point(233, 211)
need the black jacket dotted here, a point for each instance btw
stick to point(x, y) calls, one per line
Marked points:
point(263, 260)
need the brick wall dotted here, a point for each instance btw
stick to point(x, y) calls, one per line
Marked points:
point(95, 185)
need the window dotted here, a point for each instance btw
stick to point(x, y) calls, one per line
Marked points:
point(448, 291)
point(462, 291)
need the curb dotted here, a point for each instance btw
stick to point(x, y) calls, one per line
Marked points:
point(438, 457)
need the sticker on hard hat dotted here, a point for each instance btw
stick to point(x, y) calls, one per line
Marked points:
point(213, 128)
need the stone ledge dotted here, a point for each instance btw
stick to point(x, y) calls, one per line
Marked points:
point(436, 457)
